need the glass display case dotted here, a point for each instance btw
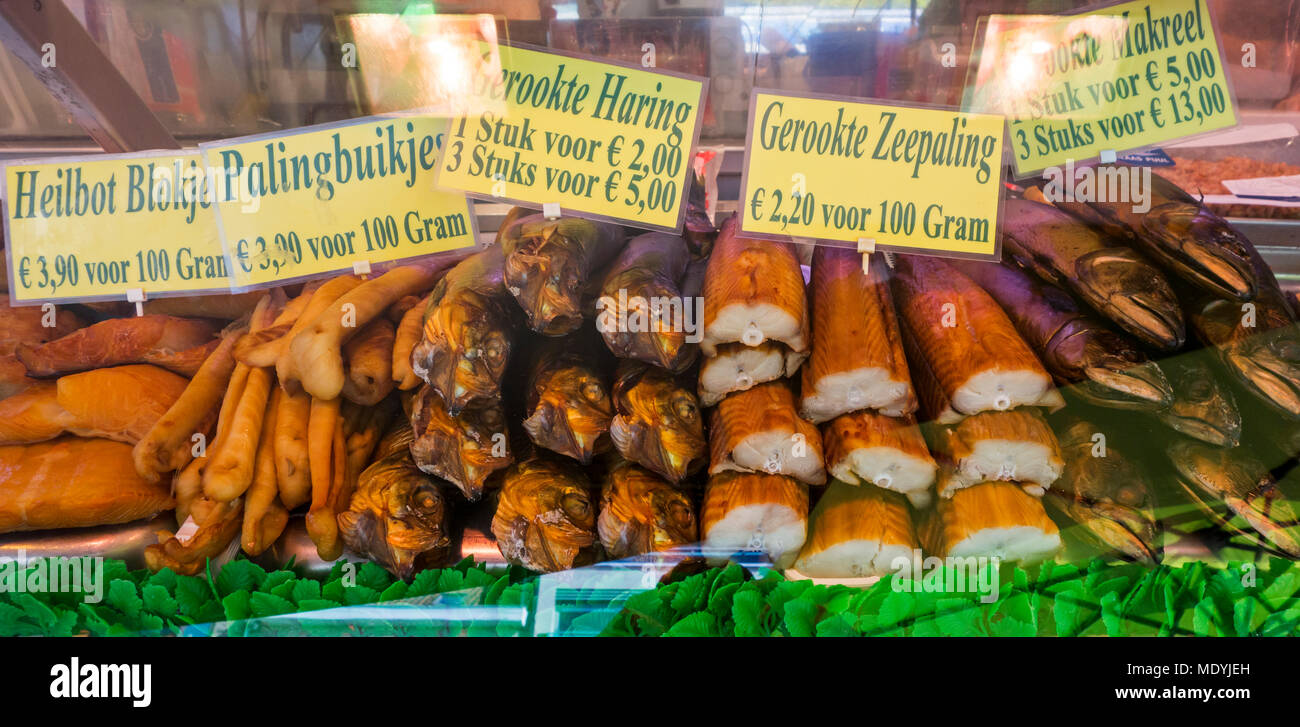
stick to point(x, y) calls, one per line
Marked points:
point(1096, 434)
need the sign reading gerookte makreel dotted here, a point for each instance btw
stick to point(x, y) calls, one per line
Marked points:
point(316, 200)
point(920, 180)
point(1126, 76)
point(93, 228)
point(600, 139)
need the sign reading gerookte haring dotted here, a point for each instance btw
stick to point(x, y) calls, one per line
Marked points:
point(918, 180)
point(1110, 79)
point(95, 227)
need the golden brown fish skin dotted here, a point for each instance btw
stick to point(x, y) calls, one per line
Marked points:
point(1203, 407)
point(548, 263)
point(854, 331)
point(956, 333)
point(1011, 435)
point(1109, 496)
point(398, 516)
point(567, 398)
point(640, 513)
point(791, 445)
point(1257, 342)
point(465, 346)
point(953, 527)
point(464, 449)
point(732, 498)
point(544, 519)
point(747, 277)
point(657, 422)
point(650, 268)
point(865, 431)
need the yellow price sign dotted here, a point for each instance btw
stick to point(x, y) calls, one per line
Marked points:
point(98, 227)
point(1111, 79)
point(600, 139)
point(920, 180)
point(321, 199)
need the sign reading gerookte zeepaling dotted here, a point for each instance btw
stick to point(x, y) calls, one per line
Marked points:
point(603, 140)
point(326, 197)
point(94, 227)
point(919, 180)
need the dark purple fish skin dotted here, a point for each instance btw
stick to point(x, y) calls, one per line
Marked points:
point(699, 231)
point(649, 270)
point(548, 264)
point(567, 399)
point(466, 339)
point(1115, 280)
point(1100, 365)
point(1177, 231)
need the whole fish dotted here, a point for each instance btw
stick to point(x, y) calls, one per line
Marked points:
point(464, 449)
point(641, 513)
point(1203, 407)
point(548, 262)
point(1108, 495)
point(641, 311)
point(657, 422)
point(1258, 342)
point(698, 229)
point(398, 516)
point(1213, 477)
point(567, 396)
point(544, 519)
point(1115, 280)
point(465, 346)
point(1102, 366)
point(1190, 240)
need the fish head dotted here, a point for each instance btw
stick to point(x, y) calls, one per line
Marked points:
point(674, 519)
point(570, 411)
point(484, 444)
point(464, 350)
point(544, 517)
point(1133, 293)
point(648, 323)
point(1270, 363)
point(464, 449)
point(1112, 372)
point(546, 272)
point(407, 522)
point(1209, 250)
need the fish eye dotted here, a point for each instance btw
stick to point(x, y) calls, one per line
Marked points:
point(593, 391)
point(685, 409)
point(575, 506)
point(425, 500)
point(495, 348)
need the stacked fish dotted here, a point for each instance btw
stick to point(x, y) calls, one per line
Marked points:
point(571, 328)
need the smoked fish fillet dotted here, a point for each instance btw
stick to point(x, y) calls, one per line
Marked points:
point(857, 357)
point(755, 511)
point(736, 367)
point(120, 403)
point(855, 532)
point(753, 292)
point(992, 519)
point(866, 448)
point(73, 483)
point(758, 430)
point(1015, 445)
point(966, 356)
point(144, 339)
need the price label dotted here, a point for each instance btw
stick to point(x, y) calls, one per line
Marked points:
point(1117, 78)
point(316, 200)
point(922, 180)
point(92, 228)
point(603, 140)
